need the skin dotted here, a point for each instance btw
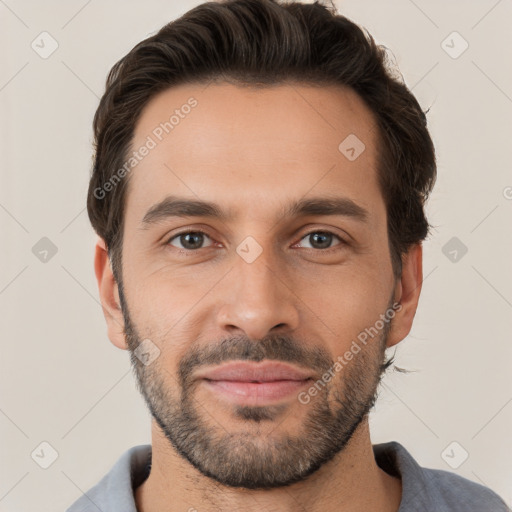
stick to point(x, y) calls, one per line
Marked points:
point(293, 300)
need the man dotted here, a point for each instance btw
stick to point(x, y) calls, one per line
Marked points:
point(258, 190)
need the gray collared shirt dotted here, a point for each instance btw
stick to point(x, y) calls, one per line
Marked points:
point(423, 490)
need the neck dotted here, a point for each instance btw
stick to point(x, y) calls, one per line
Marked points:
point(351, 482)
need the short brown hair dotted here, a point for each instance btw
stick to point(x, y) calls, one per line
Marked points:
point(264, 43)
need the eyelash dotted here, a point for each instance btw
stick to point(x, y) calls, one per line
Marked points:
point(191, 251)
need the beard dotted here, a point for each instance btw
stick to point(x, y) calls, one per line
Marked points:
point(245, 459)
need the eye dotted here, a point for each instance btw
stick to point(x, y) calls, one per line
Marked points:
point(189, 240)
point(322, 239)
point(193, 240)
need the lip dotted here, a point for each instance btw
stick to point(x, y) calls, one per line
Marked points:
point(255, 393)
point(268, 371)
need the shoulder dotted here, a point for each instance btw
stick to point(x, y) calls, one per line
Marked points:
point(434, 489)
point(114, 492)
point(456, 493)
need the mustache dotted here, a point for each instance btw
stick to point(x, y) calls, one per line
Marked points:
point(240, 348)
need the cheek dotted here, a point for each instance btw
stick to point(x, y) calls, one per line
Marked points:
point(346, 301)
point(160, 294)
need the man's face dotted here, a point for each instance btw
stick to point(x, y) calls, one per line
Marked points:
point(258, 284)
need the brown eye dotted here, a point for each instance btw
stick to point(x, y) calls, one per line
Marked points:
point(189, 240)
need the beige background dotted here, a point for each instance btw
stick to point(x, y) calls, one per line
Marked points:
point(63, 382)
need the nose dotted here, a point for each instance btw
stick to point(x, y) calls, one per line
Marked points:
point(257, 299)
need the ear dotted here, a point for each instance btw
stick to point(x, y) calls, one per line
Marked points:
point(109, 296)
point(407, 293)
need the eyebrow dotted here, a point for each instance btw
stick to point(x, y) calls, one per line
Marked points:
point(173, 206)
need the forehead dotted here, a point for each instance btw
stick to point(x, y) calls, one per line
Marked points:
point(251, 150)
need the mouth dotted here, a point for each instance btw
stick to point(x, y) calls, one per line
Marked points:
point(247, 383)
point(256, 392)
